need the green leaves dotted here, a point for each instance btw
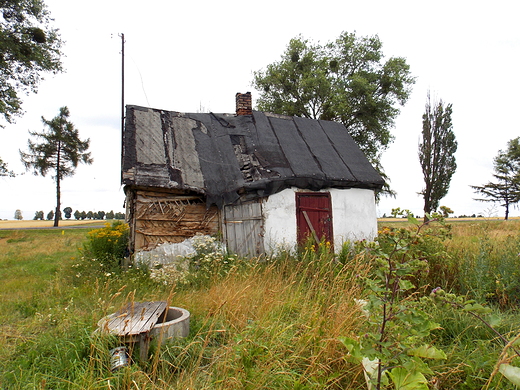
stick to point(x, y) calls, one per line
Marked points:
point(510, 372)
point(427, 352)
point(4, 171)
point(397, 328)
point(505, 189)
point(353, 347)
point(437, 152)
point(60, 150)
point(476, 308)
point(29, 47)
point(408, 380)
point(346, 80)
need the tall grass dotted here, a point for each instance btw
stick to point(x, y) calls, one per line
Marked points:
point(487, 257)
point(273, 324)
point(263, 324)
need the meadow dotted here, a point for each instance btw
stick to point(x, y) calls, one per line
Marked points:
point(269, 323)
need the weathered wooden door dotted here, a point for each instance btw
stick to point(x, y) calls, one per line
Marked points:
point(243, 228)
point(314, 216)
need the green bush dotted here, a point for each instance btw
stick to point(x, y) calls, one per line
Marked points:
point(110, 242)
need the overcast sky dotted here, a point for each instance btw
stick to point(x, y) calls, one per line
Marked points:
point(194, 56)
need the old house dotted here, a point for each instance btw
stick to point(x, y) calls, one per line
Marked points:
point(257, 180)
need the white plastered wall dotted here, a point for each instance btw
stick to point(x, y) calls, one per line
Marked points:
point(354, 217)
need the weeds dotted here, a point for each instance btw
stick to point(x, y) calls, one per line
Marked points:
point(108, 244)
point(267, 323)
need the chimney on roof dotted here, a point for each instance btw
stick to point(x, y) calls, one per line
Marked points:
point(244, 103)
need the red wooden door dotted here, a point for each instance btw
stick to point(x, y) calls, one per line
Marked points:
point(313, 216)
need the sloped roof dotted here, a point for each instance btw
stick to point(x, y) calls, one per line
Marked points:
point(225, 156)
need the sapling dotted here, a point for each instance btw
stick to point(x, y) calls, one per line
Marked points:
point(392, 347)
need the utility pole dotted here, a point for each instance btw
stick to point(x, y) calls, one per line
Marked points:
point(122, 99)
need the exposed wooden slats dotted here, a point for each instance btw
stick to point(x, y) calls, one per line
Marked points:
point(135, 318)
point(161, 217)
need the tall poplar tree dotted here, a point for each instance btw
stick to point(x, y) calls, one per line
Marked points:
point(437, 153)
point(59, 151)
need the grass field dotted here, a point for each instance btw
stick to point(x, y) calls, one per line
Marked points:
point(268, 325)
point(13, 224)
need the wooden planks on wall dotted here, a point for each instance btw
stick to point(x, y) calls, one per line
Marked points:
point(243, 227)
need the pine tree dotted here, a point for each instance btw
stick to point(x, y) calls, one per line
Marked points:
point(59, 151)
point(505, 189)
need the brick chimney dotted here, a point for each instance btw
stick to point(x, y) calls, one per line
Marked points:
point(244, 103)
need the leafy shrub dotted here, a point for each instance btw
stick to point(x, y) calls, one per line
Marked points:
point(103, 252)
point(394, 343)
point(110, 242)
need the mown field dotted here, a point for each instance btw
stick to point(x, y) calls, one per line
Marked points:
point(30, 224)
point(269, 324)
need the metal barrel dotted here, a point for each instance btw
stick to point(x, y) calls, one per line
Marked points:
point(119, 358)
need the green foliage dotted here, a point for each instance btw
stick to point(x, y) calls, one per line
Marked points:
point(393, 344)
point(4, 171)
point(445, 211)
point(510, 372)
point(102, 258)
point(272, 323)
point(68, 212)
point(59, 151)
point(29, 47)
point(505, 190)
point(18, 215)
point(50, 215)
point(346, 80)
point(492, 272)
point(108, 243)
point(437, 153)
point(492, 323)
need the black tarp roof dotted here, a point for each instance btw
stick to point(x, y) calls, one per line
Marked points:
point(226, 157)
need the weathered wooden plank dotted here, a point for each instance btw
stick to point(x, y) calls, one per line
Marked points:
point(163, 193)
point(244, 228)
point(172, 225)
point(135, 318)
point(148, 199)
point(179, 233)
point(189, 217)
